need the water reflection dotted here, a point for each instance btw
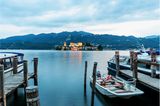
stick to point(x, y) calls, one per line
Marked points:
point(72, 57)
point(61, 76)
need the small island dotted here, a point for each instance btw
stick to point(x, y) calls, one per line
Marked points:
point(79, 46)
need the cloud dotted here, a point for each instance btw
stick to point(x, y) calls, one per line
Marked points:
point(46, 15)
point(136, 28)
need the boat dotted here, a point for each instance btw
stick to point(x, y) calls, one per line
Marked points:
point(124, 63)
point(114, 87)
point(143, 51)
point(6, 59)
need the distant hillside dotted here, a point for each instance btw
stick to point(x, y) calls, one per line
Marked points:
point(152, 36)
point(50, 40)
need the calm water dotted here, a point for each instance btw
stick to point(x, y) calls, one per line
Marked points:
point(61, 76)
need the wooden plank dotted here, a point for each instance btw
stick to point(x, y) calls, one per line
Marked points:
point(11, 83)
point(149, 63)
point(19, 67)
point(153, 83)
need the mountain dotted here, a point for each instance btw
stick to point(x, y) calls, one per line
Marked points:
point(50, 40)
point(152, 36)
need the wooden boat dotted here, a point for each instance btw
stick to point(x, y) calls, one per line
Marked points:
point(116, 87)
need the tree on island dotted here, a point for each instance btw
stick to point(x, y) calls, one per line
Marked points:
point(58, 47)
point(88, 44)
point(100, 47)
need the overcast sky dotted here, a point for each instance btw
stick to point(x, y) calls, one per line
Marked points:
point(122, 17)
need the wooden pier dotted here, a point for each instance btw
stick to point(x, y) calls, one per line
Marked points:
point(13, 78)
point(146, 80)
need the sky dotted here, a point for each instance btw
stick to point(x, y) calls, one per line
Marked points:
point(121, 17)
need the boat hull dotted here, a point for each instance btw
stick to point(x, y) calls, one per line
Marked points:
point(107, 93)
point(112, 65)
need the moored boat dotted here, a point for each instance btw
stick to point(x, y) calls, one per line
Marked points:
point(113, 87)
point(124, 63)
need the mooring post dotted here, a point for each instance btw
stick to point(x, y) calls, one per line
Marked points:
point(135, 72)
point(15, 70)
point(2, 93)
point(93, 83)
point(32, 96)
point(25, 73)
point(15, 63)
point(131, 61)
point(85, 78)
point(117, 62)
point(153, 67)
point(35, 71)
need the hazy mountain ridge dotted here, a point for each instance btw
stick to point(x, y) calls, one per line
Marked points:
point(50, 40)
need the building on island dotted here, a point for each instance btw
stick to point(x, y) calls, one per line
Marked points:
point(79, 46)
point(76, 46)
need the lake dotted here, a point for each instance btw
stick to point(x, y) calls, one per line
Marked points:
point(61, 74)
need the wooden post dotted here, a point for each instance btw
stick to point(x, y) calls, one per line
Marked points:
point(32, 96)
point(85, 78)
point(15, 63)
point(2, 93)
point(10, 60)
point(153, 67)
point(25, 73)
point(135, 72)
point(93, 83)
point(4, 63)
point(117, 62)
point(131, 60)
point(35, 71)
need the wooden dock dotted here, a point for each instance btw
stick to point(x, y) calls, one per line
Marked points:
point(146, 80)
point(13, 78)
point(11, 83)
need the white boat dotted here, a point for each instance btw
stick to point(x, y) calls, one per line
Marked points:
point(116, 87)
point(124, 62)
